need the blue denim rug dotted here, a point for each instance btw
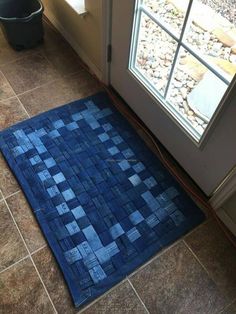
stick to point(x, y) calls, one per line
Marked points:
point(103, 200)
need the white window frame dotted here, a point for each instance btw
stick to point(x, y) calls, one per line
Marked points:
point(198, 139)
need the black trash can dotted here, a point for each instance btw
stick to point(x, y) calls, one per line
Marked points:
point(21, 22)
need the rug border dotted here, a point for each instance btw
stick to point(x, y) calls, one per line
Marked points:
point(129, 268)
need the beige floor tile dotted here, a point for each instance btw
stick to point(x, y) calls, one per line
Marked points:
point(29, 72)
point(217, 254)
point(8, 183)
point(7, 54)
point(6, 90)
point(11, 112)
point(121, 300)
point(54, 281)
point(12, 248)
point(60, 92)
point(26, 221)
point(53, 40)
point(22, 292)
point(64, 60)
point(231, 309)
point(176, 283)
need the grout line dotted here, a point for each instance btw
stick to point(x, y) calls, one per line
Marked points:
point(102, 296)
point(13, 194)
point(42, 85)
point(29, 53)
point(16, 96)
point(196, 228)
point(160, 253)
point(29, 254)
point(138, 296)
point(198, 260)
point(227, 306)
point(9, 98)
point(166, 249)
point(208, 273)
point(39, 249)
point(23, 106)
point(50, 63)
point(12, 265)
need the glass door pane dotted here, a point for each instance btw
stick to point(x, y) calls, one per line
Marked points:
point(155, 54)
point(168, 13)
point(184, 53)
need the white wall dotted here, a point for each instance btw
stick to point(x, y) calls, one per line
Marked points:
point(83, 33)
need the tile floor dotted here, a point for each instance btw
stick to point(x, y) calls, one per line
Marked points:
point(195, 275)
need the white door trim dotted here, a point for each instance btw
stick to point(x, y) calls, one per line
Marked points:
point(224, 191)
point(221, 195)
point(227, 220)
point(106, 39)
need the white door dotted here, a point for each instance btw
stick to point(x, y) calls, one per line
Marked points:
point(173, 62)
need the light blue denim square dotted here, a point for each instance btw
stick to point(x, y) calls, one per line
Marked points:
point(68, 195)
point(135, 180)
point(17, 151)
point(150, 182)
point(72, 227)
point(116, 231)
point(41, 149)
point(128, 153)
point(107, 127)
point(124, 164)
point(58, 124)
point(59, 177)
point(152, 220)
point(50, 162)
point(112, 249)
point(73, 255)
point(41, 132)
point(103, 137)
point(72, 126)
point(44, 175)
point(113, 150)
point(53, 191)
point(78, 212)
point(35, 160)
point(102, 255)
point(139, 167)
point(117, 139)
point(97, 274)
point(54, 134)
point(62, 209)
point(133, 234)
point(92, 238)
point(77, 116)
point(136, 217)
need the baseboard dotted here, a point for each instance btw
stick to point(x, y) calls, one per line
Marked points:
point(227, 220)
point(81, 53)
point(227, 188)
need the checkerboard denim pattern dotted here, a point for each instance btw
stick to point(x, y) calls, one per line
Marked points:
point(104, 201)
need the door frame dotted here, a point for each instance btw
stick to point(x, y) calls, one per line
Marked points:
point(226, 99)
point(228, 185)
point(106, 40)
point(221, 195)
